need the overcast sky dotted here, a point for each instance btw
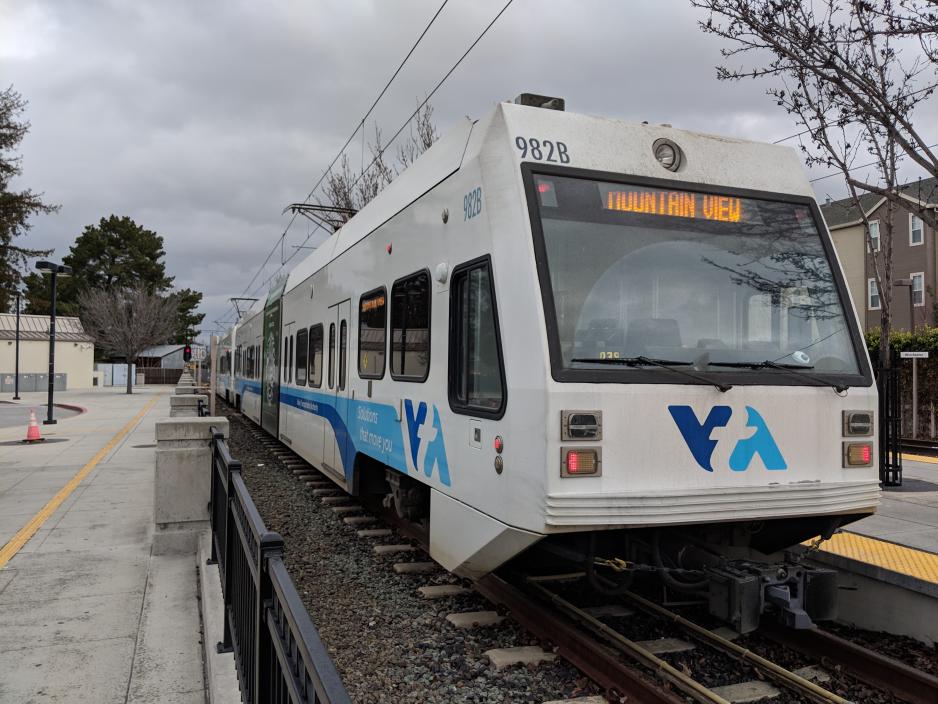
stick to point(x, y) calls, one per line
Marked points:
point(203, 120)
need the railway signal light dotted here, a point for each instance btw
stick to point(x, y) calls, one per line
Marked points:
point(187, 353)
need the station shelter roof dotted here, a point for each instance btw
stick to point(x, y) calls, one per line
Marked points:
point(36, 327)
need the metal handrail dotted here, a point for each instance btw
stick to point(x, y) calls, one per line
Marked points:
point(278, 654)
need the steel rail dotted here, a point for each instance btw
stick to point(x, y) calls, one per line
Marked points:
point(683, 682)
point(767, 667)
point(875, 669)
point(592, 658)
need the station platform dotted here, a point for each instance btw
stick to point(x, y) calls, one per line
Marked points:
point(87, 611)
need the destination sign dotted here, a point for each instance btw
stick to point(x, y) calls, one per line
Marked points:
point(679, 204)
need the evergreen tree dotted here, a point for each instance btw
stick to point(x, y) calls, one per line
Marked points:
point(187, 327)
point(115, 254)
point(16, 207)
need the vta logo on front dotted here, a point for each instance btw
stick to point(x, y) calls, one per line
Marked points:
point(701, 445)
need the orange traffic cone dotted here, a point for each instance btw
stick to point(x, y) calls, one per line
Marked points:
point(32, 432)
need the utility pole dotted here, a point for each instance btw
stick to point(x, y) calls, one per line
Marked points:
point(16, 373)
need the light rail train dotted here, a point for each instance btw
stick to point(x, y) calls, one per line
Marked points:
point(558, 336)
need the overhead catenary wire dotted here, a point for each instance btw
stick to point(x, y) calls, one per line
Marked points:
point(358, 126)
point(861, 166)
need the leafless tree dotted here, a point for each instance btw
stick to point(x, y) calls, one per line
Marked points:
point(350, 190)
point(126, 322)
point(850, 77)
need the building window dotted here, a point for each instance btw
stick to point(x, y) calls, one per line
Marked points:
point(410, 327)
point(315, 356)
point(302, 350)
point(476, 374)
point(872, 295)
point(874, 235)
point(372, 334)
point(916, 230)
point(918, 288)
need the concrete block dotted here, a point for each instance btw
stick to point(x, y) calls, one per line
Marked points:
point(182, 477)
point(186, 405)
point(392, 549)
point(187, 390)
point(471, 619)
point(415, 567)
point(522, 655)
point(666, 645)
point(745, 692)
point(439, 591)
point(374, 533)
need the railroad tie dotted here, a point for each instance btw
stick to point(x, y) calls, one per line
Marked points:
point(323, 491)
point(473, 619)
point(375, 533)
point(336, 500)
point(343, 510)
point(746, 692)
point(609, 611)
point(813, 673)
point(440, 591)
point(392, 549)
point(594, 699)
point(521, 655)
point(358, 520)
point(415, 567)
point(659, 646)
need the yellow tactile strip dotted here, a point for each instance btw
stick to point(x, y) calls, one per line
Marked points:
point(896, 558)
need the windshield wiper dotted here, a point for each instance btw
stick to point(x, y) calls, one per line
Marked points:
point(668, 364)
point(790, 368)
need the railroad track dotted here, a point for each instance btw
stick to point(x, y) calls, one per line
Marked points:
point(631, 669)
point(922, 447)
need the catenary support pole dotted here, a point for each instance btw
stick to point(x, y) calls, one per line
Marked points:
point(16, 363)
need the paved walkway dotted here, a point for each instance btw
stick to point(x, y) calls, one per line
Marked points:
point(908, 514)
point(87, 612)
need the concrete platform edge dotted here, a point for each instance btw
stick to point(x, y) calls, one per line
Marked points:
point(880, 574)
point(221, 679)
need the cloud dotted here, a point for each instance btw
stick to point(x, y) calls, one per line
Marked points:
point(203, 120)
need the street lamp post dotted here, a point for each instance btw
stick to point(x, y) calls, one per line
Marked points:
point(55, 270)
point(16, 354)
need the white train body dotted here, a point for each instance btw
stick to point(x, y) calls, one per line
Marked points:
point(224, 378)
point(672, 449)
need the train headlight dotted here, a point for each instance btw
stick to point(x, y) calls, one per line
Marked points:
point(580, 461)
point(581, 425)
point(858, 454)
point(858, 423)
point(668, 154)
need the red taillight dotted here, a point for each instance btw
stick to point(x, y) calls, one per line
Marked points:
point(499, 444)
point(543, 187)
point(858, 454)
point(581, 462)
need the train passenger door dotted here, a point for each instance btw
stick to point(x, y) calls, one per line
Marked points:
point(270, 369)
point(336, 451)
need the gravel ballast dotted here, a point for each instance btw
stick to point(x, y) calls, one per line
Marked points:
point(389, 643)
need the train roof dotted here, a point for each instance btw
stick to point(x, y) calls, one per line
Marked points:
point(595, 143)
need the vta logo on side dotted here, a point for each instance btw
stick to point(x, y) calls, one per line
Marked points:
point(701, 445)
point(424, 449)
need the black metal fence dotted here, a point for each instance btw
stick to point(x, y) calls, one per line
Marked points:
point(278, 654)
point(157, 375)
point(890, 426)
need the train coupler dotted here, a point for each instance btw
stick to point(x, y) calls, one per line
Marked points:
point(740, 591)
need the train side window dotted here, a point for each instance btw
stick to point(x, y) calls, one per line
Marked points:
point(410, 327)
point(284, 363)
point(291, 359)
point(315, 356)
point(343, 352)
point(302, 350)
point(372, 334)
point(476, 369)
point(331, 355)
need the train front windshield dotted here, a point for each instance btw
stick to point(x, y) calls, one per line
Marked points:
point(709, 279)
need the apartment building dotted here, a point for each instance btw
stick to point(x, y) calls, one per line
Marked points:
point(914, 255)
